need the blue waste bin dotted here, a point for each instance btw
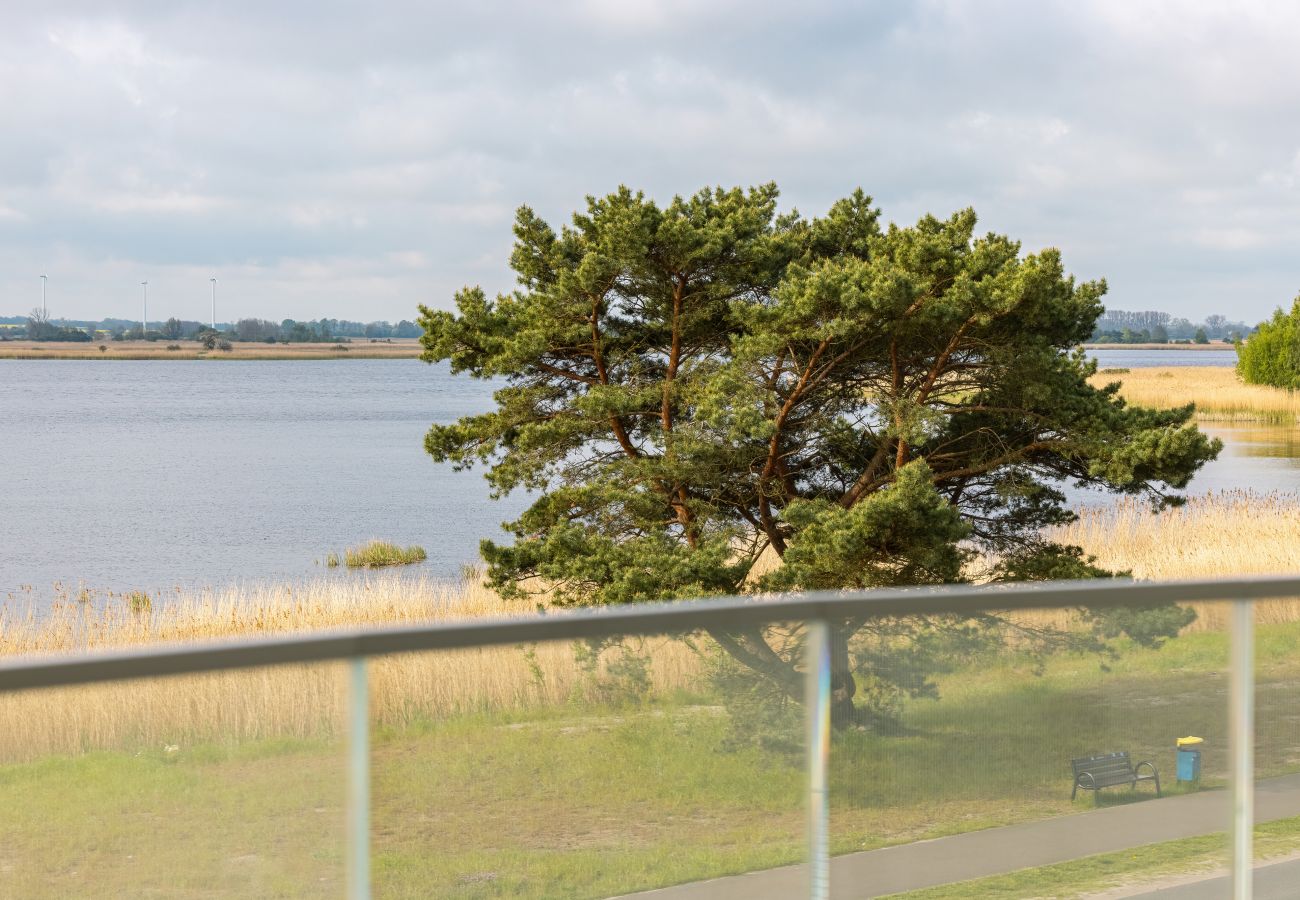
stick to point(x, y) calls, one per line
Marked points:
point(1189, 758)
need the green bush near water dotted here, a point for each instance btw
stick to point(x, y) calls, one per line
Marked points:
point(1272, 355)
point(375, 555)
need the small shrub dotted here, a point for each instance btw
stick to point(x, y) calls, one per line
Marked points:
point(103, 348)
point(1118, 371)
point(377, 554)
point(139, 602)
point(173, 346)
point(339, 347)
point(759, 714)
point(622, 680)
point(225, 345)
point(332, 560)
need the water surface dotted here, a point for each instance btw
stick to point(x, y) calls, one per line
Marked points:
point(151, 475)
point(142, 474)
point(1143, 359)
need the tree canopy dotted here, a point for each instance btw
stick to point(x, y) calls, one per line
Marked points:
point(691, 388)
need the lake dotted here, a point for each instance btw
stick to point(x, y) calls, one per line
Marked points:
point(159, 474)
point(1141, 359)
point(153, 475)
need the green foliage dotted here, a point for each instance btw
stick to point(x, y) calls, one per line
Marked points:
point(907, 535)
point(377, 554)
point(614, 673)
point(1272, 355)
point(689, 385)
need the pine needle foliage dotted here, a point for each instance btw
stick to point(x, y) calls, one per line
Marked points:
point(689, 385)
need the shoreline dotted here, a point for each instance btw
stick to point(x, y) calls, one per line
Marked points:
point(1197, 347)
point(398, 348)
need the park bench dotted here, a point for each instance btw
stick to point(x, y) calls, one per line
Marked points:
point(1092, 773)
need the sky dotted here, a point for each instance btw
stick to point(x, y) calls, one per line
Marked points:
point(354, 160)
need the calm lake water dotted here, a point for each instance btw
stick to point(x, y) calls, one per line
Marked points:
point(149, 475)
point(1142, 359)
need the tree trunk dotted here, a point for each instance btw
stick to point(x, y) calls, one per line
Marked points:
point(750, 648)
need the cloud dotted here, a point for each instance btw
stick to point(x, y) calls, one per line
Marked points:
point(348, 161)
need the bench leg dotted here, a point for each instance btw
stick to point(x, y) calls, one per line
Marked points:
point(1075, 792)
point(1157, 786)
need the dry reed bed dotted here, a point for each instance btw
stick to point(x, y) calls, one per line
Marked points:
point(1219, 395)
point(1217, 535)
point(292, 701)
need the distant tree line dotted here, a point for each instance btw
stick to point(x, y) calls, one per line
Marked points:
point(1121, 326)
point(38, 326)
point(292, 332)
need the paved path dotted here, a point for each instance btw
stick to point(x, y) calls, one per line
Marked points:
point(997, 850)
point(1280, 881)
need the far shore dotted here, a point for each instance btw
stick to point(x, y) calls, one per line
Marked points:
point(357, 348)
point(1217, 345)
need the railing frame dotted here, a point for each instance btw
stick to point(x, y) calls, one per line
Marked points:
point(818, 609)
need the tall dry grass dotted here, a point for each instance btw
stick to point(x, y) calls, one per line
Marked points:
point(293, 701)
point(1216, 535)
point(1219, 395)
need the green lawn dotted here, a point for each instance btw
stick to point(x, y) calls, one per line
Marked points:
point(588, 801)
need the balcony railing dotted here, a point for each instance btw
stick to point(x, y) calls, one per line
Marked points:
point(818, 611)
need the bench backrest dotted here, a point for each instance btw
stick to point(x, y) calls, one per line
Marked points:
point(1105, 766)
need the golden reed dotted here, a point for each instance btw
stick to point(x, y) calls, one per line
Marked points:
point(288, 701)
point(1219, 395)
point(1217, 535)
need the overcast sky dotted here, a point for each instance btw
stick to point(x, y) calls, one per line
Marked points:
point(330, 159)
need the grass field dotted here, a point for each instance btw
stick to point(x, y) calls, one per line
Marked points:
point(585, 797)
point(399, 348)
point(1219, 395)
point(538, 771)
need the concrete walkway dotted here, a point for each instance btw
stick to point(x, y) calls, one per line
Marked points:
point(995, 851)
point(1279, 881)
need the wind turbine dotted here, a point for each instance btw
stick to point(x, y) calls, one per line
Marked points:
point(144, 323)
point(45, 313)
point(213, 279)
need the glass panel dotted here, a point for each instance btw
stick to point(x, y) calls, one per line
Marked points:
point(960, 755)
point(581, 769)
point(229, 784)
point(1277, 745)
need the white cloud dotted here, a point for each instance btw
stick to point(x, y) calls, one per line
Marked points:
point(330, 159)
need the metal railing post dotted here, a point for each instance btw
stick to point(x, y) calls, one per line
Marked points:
point(817, 688)
point(358, 781)
point(1242, 729)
